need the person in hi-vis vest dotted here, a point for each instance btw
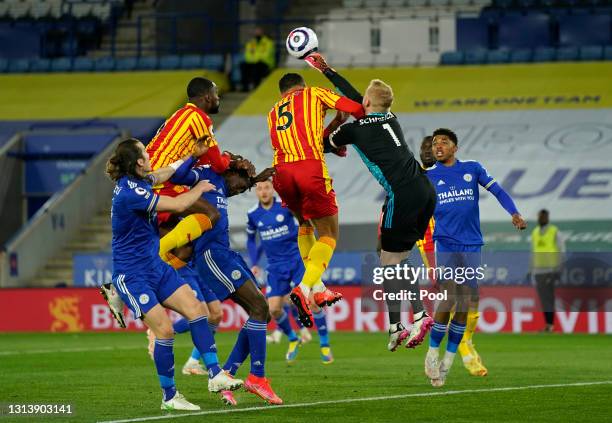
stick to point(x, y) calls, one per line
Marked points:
point(547, 248)
point(259, 59)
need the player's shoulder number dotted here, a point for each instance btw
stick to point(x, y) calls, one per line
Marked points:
point(283, 113)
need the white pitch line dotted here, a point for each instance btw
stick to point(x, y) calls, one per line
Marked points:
point(67, 350)
point(349, 400)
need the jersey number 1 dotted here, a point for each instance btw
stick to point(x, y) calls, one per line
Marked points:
point(392, 133)
point(284, 113)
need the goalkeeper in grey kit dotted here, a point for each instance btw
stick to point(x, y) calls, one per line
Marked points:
point(410, 200)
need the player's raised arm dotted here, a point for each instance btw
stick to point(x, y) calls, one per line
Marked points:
point(182, 202)
point(334, 101)
point(317, 61)
point(163, 174)
point(491, 185)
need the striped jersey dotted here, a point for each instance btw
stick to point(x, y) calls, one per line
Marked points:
point(177, 136)
point(426, 245)
point(296, 124)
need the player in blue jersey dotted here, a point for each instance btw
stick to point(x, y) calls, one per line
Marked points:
point(225, 272)
point(145, 283)
point(278, 232)
point(458, 242)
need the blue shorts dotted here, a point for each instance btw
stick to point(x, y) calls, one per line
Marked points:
point(144, 290)
point(223, 271)
point(464, 260)
point(283, 276)
point(202, 292)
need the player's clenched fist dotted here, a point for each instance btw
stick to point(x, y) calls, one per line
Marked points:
point(518, 222)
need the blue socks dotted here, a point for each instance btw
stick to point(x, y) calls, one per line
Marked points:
point(205, 343)
point(285, 326)
point(256, 332)
point(455, 333)
point(321, 323)
point(181, 325)
point(437, 334)
point(213, 328)
point(251, 340)
point(239, 352)
point(163, 356)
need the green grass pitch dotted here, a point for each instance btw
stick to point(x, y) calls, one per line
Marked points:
point(109, 377)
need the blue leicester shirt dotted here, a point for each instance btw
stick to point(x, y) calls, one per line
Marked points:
point(135, 245)
point(218, 236)
point(457, 214)
point(277, 230)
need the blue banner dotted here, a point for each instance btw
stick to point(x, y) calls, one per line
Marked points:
point(92, 269)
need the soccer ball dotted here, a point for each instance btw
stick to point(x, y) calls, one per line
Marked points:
point(301, 42)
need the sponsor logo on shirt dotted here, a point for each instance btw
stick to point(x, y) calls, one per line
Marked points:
point(274, 233)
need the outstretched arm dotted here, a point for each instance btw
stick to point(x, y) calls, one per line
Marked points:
point(317, 61)
point(489, 183)
point(183, 165)
point(508, 204)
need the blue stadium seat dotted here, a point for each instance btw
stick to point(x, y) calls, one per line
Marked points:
point(522, 55)
point(3, 65)
point(146, 63)
point(451, 58)
point(607, 55)
point(126, 64)
point(532, 30)
point(70, 47)
point(87, 27)
point(213, 62)
point(83, 64)
point(104, 64)
point(472, 33)
point(591, 53)
point(567, 54)
point(475, 57)
point(169, 62)
point(191, 61)
point(19, 65)
point(40, 65)
point(62, 64)
point(544, 54)
point(583, 30)
point(498, 56)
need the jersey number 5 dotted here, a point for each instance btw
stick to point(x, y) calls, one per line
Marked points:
point(284, 113)
point(392, 133)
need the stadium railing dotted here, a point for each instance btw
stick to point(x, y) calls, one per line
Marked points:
point(57, 221)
